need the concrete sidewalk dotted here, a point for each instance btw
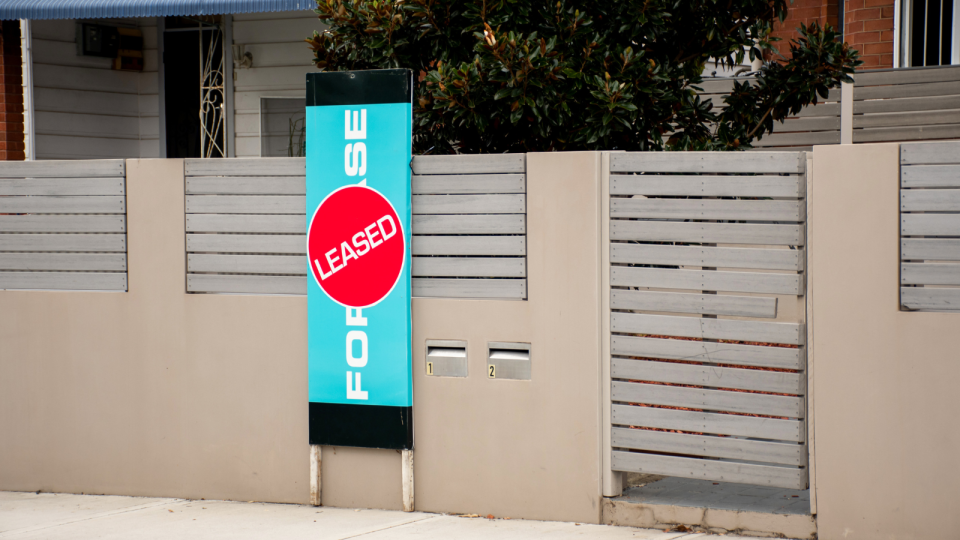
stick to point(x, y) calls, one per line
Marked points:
point(79, 517)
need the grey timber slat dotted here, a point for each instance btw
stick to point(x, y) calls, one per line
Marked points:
point(61, 186)
point(821, 109)
point(470, 288)
point(696, 327)
point(718, 377)
point(470, 245)
point(464, 184)
point(907, 133)
point(762, 259)
point(707, 351)
point(930, 274)
point(469, 204)
point(741, 306)
point(63, 223)
point(930, 153)
point(63, 242)
point(778, 138)
point(705, 445)
point(247, 185)
point(86, 168)
point(247, 223)
point(286, 166)
point(906, 90)
point(246, 204)
point(707, 209)
point(930, 176)
point(214, 283)
point(706, 280)
point(94, 204)
point(470, 164)
point(108, 262)
point(295, 244)
point(469, 267)
point(725, 233)
point(930, 224)
point(933, 298)
point(933, 249)
point(704, 186)
point(69, 281)
point(703, 469)
point(712, 400)
point(809, 122)
point(720, 424)
point(470, 224)
point(937, 103)
point(708, 162)
point(912, 118)
point(761, 146)
point(247, 264)
point(930, 200)
point(907, 76)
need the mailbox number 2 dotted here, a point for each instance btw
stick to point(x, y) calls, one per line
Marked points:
point(492, 371)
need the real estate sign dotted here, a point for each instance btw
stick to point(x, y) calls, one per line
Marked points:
point(358, 248)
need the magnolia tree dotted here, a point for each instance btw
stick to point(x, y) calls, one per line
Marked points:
point(531, 75)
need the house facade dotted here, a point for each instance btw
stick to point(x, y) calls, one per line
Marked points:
point(138, 98)
point(228, 80)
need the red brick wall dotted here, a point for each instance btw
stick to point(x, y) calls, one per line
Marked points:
point(803, 12)
point(869, 28)
point(11, 93)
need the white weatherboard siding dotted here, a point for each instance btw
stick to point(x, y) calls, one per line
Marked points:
point(83, 108)
point(281, 61)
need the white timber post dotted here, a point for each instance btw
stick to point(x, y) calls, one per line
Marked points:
point(26, 53)
point(846, 113)
point(406, 477)
point(315, 486)
point(228, 97)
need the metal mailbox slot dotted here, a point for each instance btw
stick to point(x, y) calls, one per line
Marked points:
point(446, 358)
point(508, 361)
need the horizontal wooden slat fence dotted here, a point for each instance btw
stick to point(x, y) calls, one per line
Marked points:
point(930, 226)
point(63, 225)
point(246, 226)
point(906, 104)
point(708, 375)
point(813, 125)
point(469, 226)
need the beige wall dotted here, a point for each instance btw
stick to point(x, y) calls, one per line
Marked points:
point(498, 446)
point(156, 392)
point(886, 409)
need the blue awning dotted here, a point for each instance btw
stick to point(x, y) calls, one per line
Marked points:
point(98, 9)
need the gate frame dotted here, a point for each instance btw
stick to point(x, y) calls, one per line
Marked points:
point(612, 482)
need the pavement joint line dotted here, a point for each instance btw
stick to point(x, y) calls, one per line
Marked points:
point(109, 513)
point(394, 526)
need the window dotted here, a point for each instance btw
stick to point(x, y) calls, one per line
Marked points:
point(929, 33)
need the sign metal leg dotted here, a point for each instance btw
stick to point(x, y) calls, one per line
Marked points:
point(315, 491)
point(406, 476)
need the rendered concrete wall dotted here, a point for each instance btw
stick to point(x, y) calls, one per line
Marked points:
point(157, 392)
point(492, 446)
point(886, 436)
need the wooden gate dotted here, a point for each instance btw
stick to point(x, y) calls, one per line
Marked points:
point(706, 295)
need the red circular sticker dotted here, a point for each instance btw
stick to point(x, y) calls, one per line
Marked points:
point(355, 246)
